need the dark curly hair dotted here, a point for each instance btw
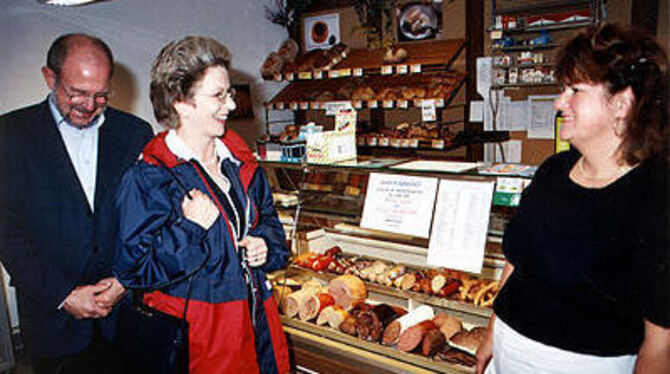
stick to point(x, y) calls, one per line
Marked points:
point(622, 58)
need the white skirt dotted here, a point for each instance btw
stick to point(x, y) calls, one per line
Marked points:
point(514, 353)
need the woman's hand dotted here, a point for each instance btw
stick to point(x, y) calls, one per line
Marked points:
point(654, 355)
point(200, 209)
point(257, 250)
point(485, 350)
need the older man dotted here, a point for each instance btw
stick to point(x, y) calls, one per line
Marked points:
point(60, 164)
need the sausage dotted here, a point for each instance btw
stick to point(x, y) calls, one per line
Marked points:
point(348, 326)
point(314, 304)
point(432, 343)
point(398, 326)
point(370, 324)
point(413, 336)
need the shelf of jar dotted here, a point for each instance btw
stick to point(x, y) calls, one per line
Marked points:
point(521, 48)
point(546, 27)
point(526, 65)
point(521, 85)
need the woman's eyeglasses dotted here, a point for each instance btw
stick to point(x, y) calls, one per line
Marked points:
point(222, 96)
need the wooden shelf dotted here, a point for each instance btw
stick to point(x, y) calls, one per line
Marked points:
point(316, 94)
point(421, 56)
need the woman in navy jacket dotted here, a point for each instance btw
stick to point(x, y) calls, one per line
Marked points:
point(167, 233)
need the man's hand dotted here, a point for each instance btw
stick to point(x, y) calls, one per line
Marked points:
point(257, 250)
point(81, 302)
point(110, 296)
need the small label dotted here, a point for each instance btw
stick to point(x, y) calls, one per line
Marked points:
point(304, 105)
point(280, 106)
point(289, 76)
point(344, 73)
point(357, 104)
point(402, 104)
point(332, 74)
point(373, 104)
point(439, 103)
point(416, 68)
point(401, 69)
point(358, 72)
point(387, 70)
point(497, 34)
point(388, 103)
point(428, 113)
point(293, 106)
point(305, 75)
point(315, 105)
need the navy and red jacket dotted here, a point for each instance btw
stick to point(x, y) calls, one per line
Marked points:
point(159, 245)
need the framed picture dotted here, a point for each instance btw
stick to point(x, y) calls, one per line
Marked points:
point(245, 109)
point(322, 31)
point(419, 20)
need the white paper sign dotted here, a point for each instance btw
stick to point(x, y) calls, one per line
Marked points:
point(399, 203)
point(428, 113)
point(541, 115)
point(458, 235)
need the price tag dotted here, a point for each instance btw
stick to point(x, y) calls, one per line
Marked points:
point(289, 76)
point(314, 105)
point(280, 106)
point(402, 104)
point(332, 74)
point(357, 104)
point(358, 72)
point(388, 103)
point(344, 72)
point(268, 106)
point(387, 70)
point(416, 68)
point(305, 75)
point(373, 104)
point(304, 105)
point(439, 103)
point(428, 113)
point(277, 77)
point(293, 106)
point(318, 74)
point(401, 69)
point(497, 34)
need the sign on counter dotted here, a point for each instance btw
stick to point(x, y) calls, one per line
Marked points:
point(399, 203)
point(460, 225)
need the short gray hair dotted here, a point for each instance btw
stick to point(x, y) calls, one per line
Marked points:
point(177, 69)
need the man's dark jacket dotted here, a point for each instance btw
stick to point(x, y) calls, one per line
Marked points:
point(50, 240)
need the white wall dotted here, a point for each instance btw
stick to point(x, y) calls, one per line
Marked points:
point(135, 30)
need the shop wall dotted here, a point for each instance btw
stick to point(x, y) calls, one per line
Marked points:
point(135, 30)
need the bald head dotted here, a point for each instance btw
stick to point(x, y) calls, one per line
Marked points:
point(78, 46)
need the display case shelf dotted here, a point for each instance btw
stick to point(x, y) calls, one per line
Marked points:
point(395, 355)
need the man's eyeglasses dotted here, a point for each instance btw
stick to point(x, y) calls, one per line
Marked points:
point(222, 96)
point(81, 97)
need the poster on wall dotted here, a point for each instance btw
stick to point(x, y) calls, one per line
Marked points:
point(420, 20)
point(322, 31)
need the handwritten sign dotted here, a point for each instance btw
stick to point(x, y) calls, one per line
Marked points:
point(399, 203)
